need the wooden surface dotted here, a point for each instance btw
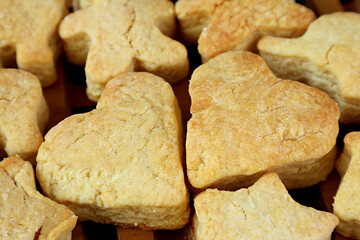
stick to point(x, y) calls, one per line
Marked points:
point(68, 97)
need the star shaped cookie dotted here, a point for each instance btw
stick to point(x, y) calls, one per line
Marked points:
point(327, 57)
point(347, 199)
point(28, 35)
point(111, 37)
point(120, 163)
point(263, 211)
point(246, 121)
point(25, 213)
point(23, 113)
point(238, 24)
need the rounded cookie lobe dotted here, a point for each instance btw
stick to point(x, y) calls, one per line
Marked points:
point(23, 113)
point(246, 121)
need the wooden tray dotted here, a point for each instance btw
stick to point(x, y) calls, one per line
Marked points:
point(67, 96)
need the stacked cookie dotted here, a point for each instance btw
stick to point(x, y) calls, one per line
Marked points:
point(254, 133)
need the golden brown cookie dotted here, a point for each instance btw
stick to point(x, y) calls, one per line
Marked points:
point(25, 213)
point(221, 25)
point(263, 211)
point(120, 163)
point(28, 34)
point(246, 121)
point(347, 199)
point(111, 37)
point(23, 113)
point(327, 57)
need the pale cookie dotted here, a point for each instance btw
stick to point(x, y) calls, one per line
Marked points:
point(347, 199)
point(120, 163)
point(327, 57)
point(23, 114)
point(224, 25)
point(25, 213)
point(28, 34)
point(263, 211)
point(246, 121)
point(112, 37)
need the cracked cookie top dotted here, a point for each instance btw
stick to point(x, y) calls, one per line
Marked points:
point(263, 211)
point(23, 113)
point(224, 25)
point(327, 56)
point(246, 121)
point(125, 155)
point(28, 35)
point(113, 37)
point(25, 213)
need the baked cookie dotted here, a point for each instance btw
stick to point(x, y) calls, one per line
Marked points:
point(263, 211)
point(23, 114)
point(120, 163)
point(25, 213)
point(221, 25)
point(111, 37)
point(28, 34)
point(327, 57)
point(246, 121)
point(347, 199)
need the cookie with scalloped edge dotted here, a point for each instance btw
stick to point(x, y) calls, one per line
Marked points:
point(327, 57)
point(28, 36)
point(112, 37)
point(263, 211)
point(221, 25)
point(347, 198)
point(122, 162)
point(25, 213)
point(246, 121)
point(23, 113)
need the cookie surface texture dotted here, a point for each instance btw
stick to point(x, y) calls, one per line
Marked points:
point(23, 114)
point(25, 213)
point(238, 24)
point(246, 121)
point(116, 36)
point(28, 36)
point(263, 211)
point(327, 57)
point(347, 199)
point(120, 163)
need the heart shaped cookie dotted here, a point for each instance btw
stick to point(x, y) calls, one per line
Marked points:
point(122, 162)
point(246, 121)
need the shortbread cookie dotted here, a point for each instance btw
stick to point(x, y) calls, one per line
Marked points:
point(327, 57)
point(347, 199)
point(120, 163)
point(28, 29)
point(246, 121)
point(23, 113)
point(263, 211)
point(113, 37)
point(238, 24)
point(25, 213)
